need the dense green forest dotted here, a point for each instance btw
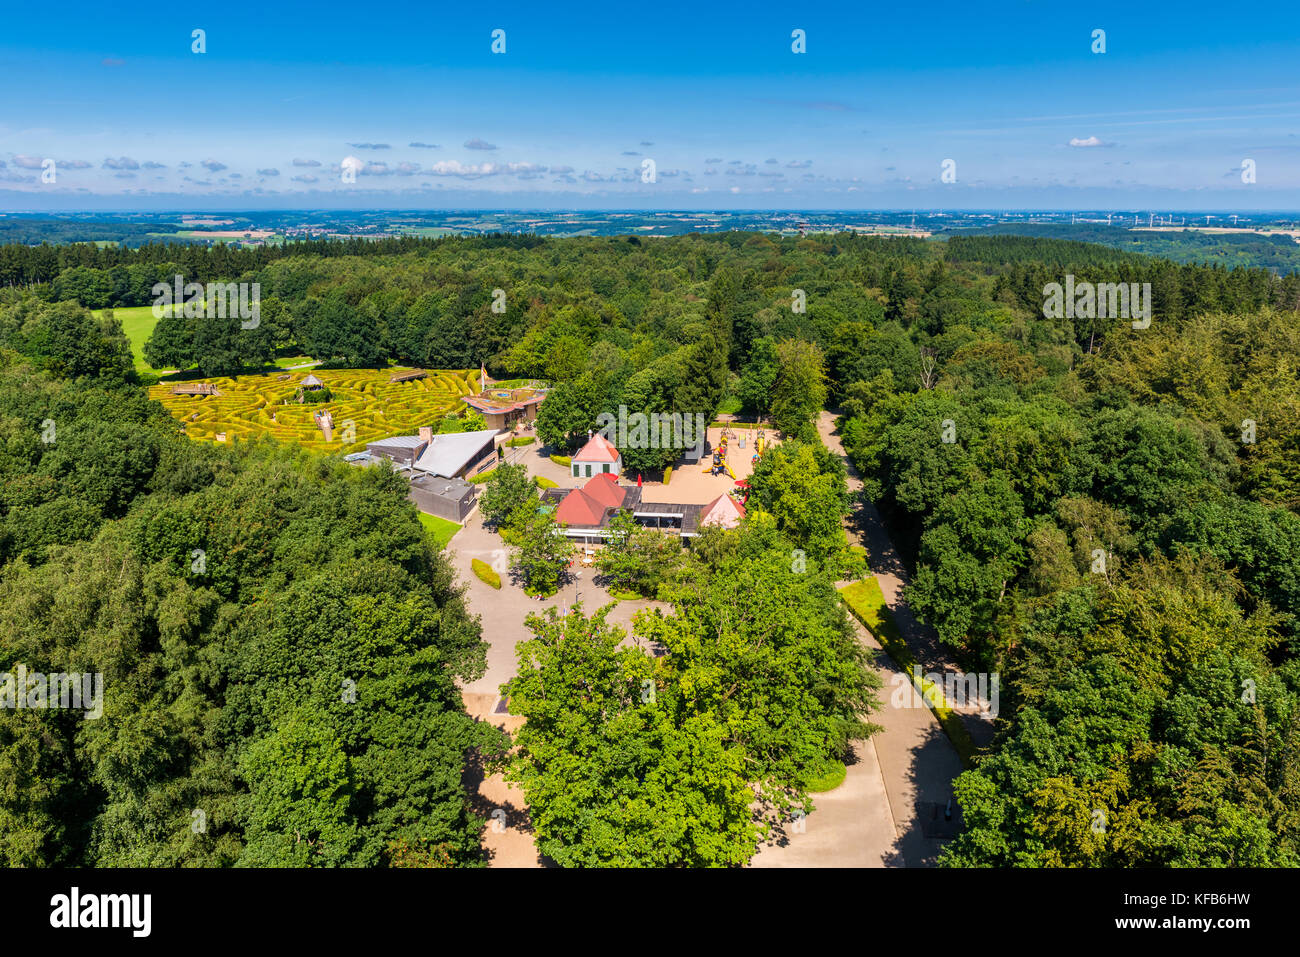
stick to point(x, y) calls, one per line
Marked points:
point(1252, 250)
point(279, 639)
point(1106, 516)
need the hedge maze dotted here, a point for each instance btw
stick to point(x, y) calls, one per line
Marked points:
point(365, 407)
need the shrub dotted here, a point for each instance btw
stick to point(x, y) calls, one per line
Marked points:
point(668, 474)
point(521, 440)
point(731, 405)
point(563, 461)
point(482, 476)
point(825, 778)
point(543, 482)
point(485, 572)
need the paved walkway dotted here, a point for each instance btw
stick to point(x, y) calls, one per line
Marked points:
point(508, 840)
point(893, 808)
point(890, 810)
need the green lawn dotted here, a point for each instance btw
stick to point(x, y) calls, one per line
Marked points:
point(137, 322)
point(439, 528)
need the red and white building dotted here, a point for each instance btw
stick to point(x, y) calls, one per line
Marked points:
point(597, 457)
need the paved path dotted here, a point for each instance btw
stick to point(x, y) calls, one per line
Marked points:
point(892, 809)
point(508, 840)
point(867, 527)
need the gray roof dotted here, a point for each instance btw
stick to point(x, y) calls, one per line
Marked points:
point(448, 454)
point(454, 490)
point(400, 441)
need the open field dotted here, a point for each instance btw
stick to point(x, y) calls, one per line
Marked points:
point(1257, 231)
point(138, 323)
point(365, 407)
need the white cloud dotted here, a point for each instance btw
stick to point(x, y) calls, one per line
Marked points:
point(1089, 142)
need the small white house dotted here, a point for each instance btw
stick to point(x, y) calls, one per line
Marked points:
point(597, 457)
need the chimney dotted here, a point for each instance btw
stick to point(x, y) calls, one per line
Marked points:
point(426, 434)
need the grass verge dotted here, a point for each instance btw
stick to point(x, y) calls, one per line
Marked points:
point(440, 530)
point(865, 601)
point(828, 779)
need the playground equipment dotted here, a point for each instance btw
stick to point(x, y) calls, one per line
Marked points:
point(719, 463)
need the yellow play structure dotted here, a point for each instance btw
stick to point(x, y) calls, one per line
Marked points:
point(719, 463)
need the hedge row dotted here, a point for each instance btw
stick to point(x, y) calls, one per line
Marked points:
point(485, 572)
point(867, 603)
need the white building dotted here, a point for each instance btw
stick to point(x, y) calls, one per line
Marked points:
point(597, 457)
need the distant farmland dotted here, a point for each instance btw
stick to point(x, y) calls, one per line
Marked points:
point(363, 400)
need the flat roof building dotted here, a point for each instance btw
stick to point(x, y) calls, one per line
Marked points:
point(458, 454)
point(502, 408)
point(452, 499)
point(449, 455)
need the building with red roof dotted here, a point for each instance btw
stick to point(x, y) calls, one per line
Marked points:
point(723, 510)
point(597, 457)
point(585, 512)
point(587, 507)
point(503, 408)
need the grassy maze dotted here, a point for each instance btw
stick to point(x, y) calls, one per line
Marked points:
point(364, 400)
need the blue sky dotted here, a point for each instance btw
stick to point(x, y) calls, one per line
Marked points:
point(1009, 90)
